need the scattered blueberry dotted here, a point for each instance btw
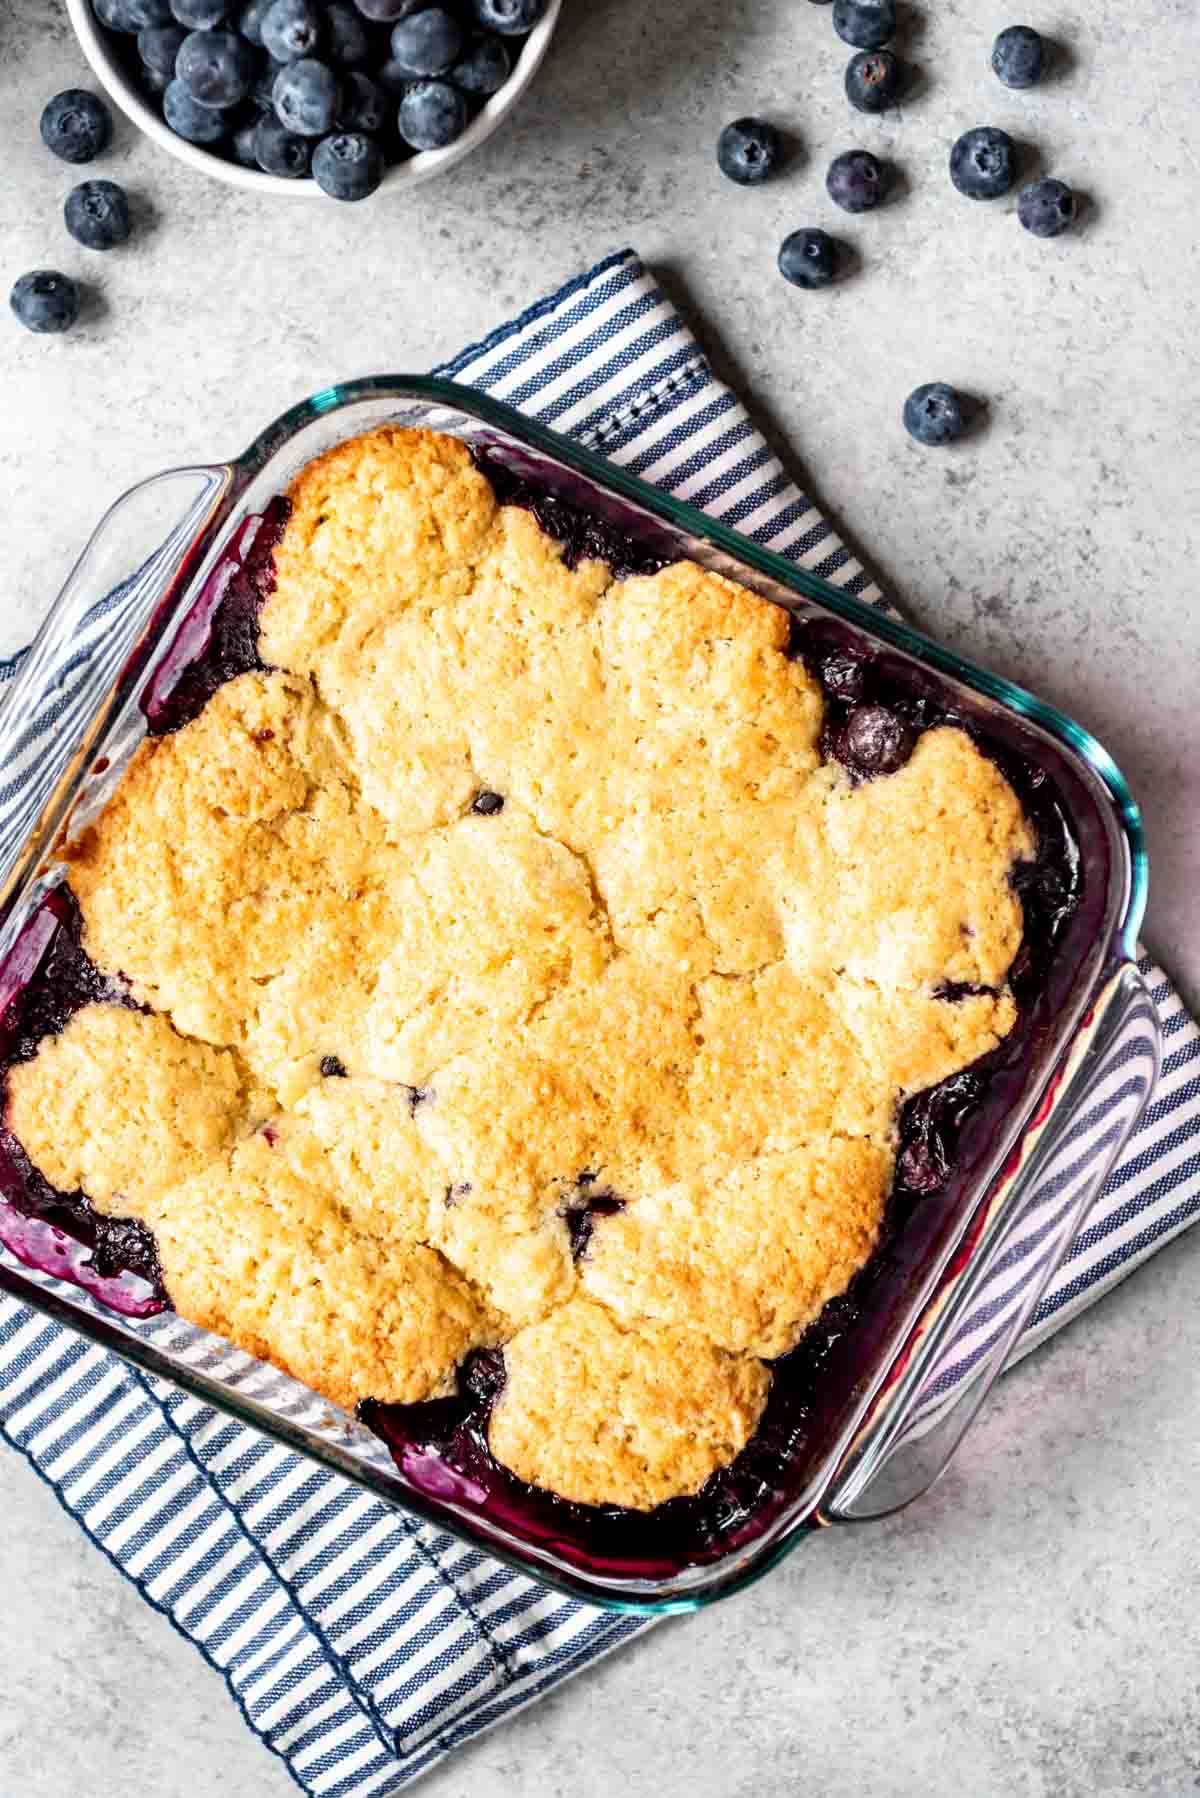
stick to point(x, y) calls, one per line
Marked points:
point(511, 17)
point(747, 151)
point(45, 301)
point(97, 215)
point(487, 803)
point(867, 24)
point(200, 15)
point(365, 106)
point(484, 66)
point(935, 414)
point(307, 95)
point(872, 80)
point(250, 21)
point(874, 740)
point(291, 29)
point(1046, 207)
point(808, 258)
point(216, 67)
point(983, 163)
point(158, 46)
point(195, 123)
point(76, 125)
point(348, 40)
point(428, 43)
point(857, 181)
point(348, 166)
point(279, 151)
point(1018, 55)
point(432, 115)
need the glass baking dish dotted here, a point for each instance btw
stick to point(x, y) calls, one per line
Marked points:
point(948, 1293)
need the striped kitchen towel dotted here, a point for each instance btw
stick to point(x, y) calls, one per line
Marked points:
point(363, 1646)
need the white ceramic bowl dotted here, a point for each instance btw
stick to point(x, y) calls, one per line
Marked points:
point(95, 42)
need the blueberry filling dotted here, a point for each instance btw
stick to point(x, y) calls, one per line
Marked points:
point(487, 804)
point(585, 1202)
point(581, 534)
point(333, 1068)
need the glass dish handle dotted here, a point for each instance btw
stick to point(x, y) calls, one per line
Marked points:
point(970, 1329)
point(49, 719)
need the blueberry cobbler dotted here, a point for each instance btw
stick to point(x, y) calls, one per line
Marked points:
point(509, 985)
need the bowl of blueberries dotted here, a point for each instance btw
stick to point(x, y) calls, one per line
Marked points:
point(317, 97)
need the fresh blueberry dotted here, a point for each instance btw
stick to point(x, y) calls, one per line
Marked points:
point(280, 152)
point(365, 106)
point(188, 119)
point(200, 15)
point(132, 15)
point(432, 115)
point(429, 43)
point(76, 125)
point(156, 81)
point(487, 803)
point(1046, 207)
point(874, 740)
point(291, 29)
point(158, 46)
point(347, 37)
point(808, 259)
point(307, 96)
point(97, 214)
point(747, 151)
point(386, 12)
point(872, 80)
point(983, 163)
point(857, 181)
point(216, 67)
point(263, 92)
point(349, 166)
point(511, 17)
point(484, 66)
point(250, 21)
point(867, 24)
point(935, 414)
point(1018, 55)
point(243, 142)
point(45, 301)
point(393, 79)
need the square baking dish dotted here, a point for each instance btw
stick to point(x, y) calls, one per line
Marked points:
point(896, 1373)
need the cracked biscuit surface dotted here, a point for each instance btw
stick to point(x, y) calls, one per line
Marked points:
point(397, 1047)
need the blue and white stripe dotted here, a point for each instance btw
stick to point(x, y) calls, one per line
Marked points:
point(360, 1646)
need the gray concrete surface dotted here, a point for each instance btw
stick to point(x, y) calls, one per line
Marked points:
point(1030, 1629)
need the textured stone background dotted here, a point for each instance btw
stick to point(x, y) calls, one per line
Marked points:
point(1030, 1629)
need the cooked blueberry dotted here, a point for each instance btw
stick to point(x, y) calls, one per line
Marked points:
point(386, 12)
point(484, 66)
point(1046, 207)
point(243, 143)
point(365, 106)
point(935, 414)
point(808, 258)
point(428, 43)
point(874, 740)
point(512, 17)
point(867, 24)
point(983, 163)
point(97, 214)
point(216, 67)
point(487, 804)
point(1017, 56)
point(857, 181)
point(872, 80)
point(333, 1067)
point(291, 29)
point(158, 46)
point(843, 676)
point(347, 38)
point(45, 301)
point(200, 15)
point(280, 151)
point(76, 125)
point(307, 95)
point(747, 151)
point(249, 21)
point(432, 115)
point(188, 119)
point(348, 166)
point(460, 1190)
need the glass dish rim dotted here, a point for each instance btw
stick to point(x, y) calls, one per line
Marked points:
point(1119, 943)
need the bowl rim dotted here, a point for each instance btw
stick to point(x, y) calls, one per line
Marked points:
point(423, 166)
